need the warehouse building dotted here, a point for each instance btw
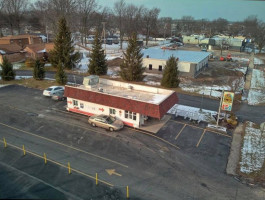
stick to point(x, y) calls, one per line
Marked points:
point(133, 104)
point(190, 63)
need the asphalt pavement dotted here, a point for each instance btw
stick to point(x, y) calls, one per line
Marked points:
point(151, 168)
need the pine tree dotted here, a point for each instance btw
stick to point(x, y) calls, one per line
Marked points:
point(170, 75)
point(39, 71)
point(7, 72)
point(61, 77)
point(97, 62)
point(63, 47)
point(132, 68)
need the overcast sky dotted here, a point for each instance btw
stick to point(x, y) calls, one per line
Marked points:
point(232, 10)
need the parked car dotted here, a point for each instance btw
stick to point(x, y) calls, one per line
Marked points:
point(51, 90)
point(59, 95)
point(105, 121)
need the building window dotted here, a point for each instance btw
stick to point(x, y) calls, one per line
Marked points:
point(75, 102)
point(81, 105)
point(160, 68)
point(134, 116)
point(130, 115)
point(150, 67)
point(112, 111)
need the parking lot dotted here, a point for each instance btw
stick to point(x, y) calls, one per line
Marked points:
point(152, 167)
point(205, 145)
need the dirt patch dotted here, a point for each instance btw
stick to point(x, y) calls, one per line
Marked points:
point(115, 62)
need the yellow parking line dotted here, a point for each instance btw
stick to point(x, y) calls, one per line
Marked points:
point(223, 134)
point(74, 148)
point(57, 163)
point(188, 124)
point(208, 130)
point(155, 137)
point(201, 138)
point(180, 131)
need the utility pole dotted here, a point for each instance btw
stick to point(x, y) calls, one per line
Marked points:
point(46, 30)
point(104, 32)
point(218, 116)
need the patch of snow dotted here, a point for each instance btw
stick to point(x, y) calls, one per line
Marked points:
point(214, 91)
point(253, 149)
point(193, 113)
point(17, 65)
point(23, 77)
point(256, 93)
point(241, 69)
point(152, 83)
point(157, 98)
point(258, 61)
point(239, 59)
point(3, 85)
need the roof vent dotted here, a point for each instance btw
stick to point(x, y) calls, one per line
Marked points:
point(100, 89)
point(130, 87)
point(91, 81)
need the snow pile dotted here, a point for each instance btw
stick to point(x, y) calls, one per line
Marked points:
point(241, 69)
point(256, 93)
point(192, 113)
point(253, 149)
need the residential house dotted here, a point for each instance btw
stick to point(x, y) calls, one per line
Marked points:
point(21, 40)
point(12, 52)
point(38, 51)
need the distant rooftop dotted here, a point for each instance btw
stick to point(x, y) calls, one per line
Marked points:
point(184, 56)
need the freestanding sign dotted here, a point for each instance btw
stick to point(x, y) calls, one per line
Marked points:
point(227, 101)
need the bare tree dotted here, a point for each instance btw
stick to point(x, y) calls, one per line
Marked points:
point(85, 10)
point(14, 11)
point(219, 25)
point(150, 19)
point(251, 25)
point(119, 10)
point(260, 36)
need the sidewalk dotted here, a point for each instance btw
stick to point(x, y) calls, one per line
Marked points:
point(234, 156)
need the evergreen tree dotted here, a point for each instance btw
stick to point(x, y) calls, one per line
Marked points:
point(132, 68)
point(170, 75)
point(64, 47)
point(7, 72)
point(39, 71)
point(60, 76)
point(97, 61)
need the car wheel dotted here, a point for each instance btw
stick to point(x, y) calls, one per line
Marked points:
point(111, 129)
point(94, 125)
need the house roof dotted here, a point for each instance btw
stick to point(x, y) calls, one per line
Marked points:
point(184, 56)
point(10, 48)
point(38, 48)
point(18, 37)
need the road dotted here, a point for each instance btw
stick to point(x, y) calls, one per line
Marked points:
point(152, 169)
point(244, 112)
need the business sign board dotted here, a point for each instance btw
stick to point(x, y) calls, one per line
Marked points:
point(227, 101)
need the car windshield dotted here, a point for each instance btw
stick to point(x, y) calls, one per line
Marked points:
point(49, 89)
point(110, 120)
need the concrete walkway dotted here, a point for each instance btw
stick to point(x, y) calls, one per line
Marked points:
point(234, 156)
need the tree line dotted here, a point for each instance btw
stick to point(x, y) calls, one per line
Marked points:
point(86, 15)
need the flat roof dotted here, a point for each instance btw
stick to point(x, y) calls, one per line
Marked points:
point(142, 93)
point(184, 56)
